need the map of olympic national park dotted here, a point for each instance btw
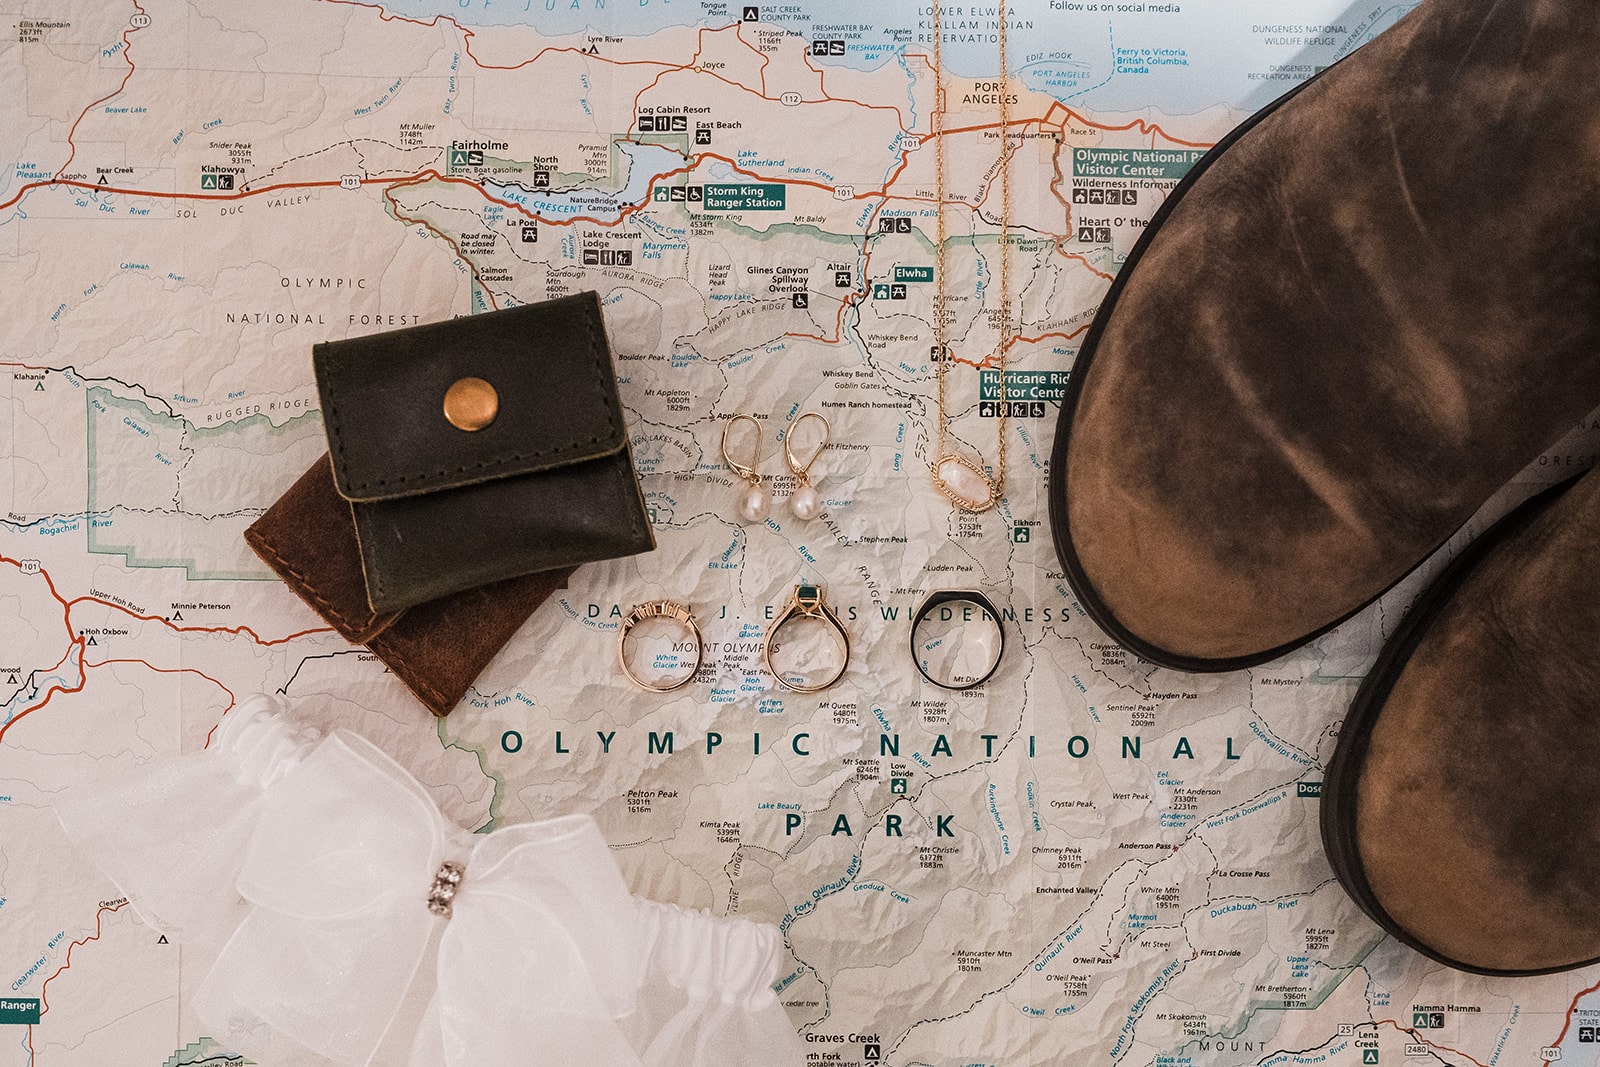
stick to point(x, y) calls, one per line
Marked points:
point(1085, 860)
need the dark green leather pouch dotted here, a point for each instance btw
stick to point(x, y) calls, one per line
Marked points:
point(548, 482)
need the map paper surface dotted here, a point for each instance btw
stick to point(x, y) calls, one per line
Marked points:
point(1085, 860)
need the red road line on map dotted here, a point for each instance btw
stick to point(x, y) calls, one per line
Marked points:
point(75, 642)
point(634, 109)
point(162, 195)
point(388, 195)
point(624, 212)
point(212, 732)
point(232, 630)
point(1567, 1025)
point(1434, 1044)
point(1056, 105)
point(1081, 259)
point(1019, 339)
point(433, 175)
point(232, 698)
point(1153, 129)
point(66, 609)
point(78, 643)
point(761, 93)
point(467, 35)
point(766, 58)
point(822, 86)
point(99, 918)
point(1140, 124)
point(882, 194)
point(858, 294)
point(1055, 187)
point(44, 1000)
point(127, 53)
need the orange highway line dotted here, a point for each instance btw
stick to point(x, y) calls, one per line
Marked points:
point(468, 34)
point(159, 194)
point(213, 731)
point(1141, 124)
point(388, 195)
point(78, 643)
point(433, 175)
point(64, 657)
point(66, 609)
point(698, 48)
point(987, 361)
point(236, 631)
point(127, 53)
point(1035, 340)
point(1567, 1025)
point(1055, 187)
point(43, 999)
point(766, 57)
point(1081, 259)
point(99, 918)
point(232, 697)
point(822, 83)
point(1417, 1037)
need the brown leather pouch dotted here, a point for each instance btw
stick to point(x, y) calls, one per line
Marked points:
point(437, 647)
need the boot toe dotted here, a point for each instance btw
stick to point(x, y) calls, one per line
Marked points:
point(1306, 377)
point(1459, 807)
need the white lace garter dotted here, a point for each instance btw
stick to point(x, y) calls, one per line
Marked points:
point(329, 887)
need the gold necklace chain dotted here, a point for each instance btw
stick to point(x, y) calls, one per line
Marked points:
point(948, 466)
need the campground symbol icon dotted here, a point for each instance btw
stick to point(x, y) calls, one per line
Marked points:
point(872, 1053)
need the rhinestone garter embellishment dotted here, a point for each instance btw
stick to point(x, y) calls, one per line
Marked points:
point(444, 888)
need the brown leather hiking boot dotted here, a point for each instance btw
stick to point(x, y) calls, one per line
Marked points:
point(1459, 809)
point(1351, 323)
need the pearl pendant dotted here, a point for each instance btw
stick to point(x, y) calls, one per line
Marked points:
point(805, 503)
point(754, 503)
point(968, 488)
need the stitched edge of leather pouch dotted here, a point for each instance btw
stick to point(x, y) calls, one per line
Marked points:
point(548, 483)
point(436, 649)
point(309, 541)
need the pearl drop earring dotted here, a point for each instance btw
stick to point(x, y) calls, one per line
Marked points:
point(805, 503)
point(754, 503)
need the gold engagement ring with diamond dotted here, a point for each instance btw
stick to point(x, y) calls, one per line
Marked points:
point(807, 603)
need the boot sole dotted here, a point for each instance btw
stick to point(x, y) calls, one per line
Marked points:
point(1338, 814)
point(1061, 534)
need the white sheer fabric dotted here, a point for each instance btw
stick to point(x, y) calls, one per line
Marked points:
point(707, 995)
point(304, 864)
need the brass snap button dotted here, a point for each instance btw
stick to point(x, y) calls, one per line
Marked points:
point(471, 404)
